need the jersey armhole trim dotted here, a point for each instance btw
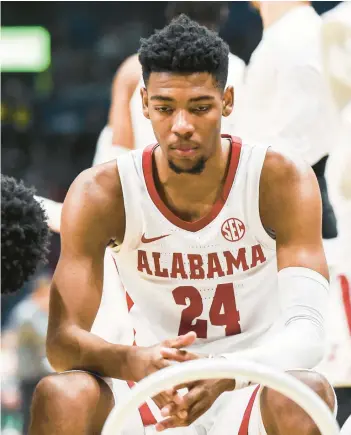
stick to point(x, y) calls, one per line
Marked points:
point(126, 164)
point(255, 171)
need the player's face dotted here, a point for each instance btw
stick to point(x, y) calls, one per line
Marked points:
point(185, 111)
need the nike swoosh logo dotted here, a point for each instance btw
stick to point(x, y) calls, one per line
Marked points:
point(153, 239)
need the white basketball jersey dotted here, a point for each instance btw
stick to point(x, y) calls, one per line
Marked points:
point(216, 276)
point(142, 128)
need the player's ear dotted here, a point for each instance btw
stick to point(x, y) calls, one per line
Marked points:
point(228, 101)
point(145, 102)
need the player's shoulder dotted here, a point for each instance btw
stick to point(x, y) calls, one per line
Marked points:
point(283, 170)
point(99, 184)
point(288, 186)
point(94, 204)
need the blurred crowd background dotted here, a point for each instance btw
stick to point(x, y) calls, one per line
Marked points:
point(51, 121)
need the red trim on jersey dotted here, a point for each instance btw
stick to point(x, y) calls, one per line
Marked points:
point(130, 301)
point(217, 206)
point(244, 427)
point(146, 415)
point(346, 298)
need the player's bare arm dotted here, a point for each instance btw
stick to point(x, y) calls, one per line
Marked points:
point(93, 214)
point(124, 84)
point(77, 283)
point(290, 204)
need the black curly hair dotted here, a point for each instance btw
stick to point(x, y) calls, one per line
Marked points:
point(24, 234)
point(185, 47)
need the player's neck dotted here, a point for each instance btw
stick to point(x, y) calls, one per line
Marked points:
point(272, 11)
point(194, 187)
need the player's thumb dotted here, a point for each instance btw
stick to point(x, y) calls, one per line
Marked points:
point(182, 340)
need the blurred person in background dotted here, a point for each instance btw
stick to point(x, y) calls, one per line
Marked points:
point(336, 45)
point(286, 98)
point(287, 102)
point(24, 337)
point(127, 127)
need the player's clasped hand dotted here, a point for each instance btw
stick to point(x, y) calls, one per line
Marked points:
point(184, 410)
point(143, 361)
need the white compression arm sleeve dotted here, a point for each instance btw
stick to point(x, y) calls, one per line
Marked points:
point(297, 337)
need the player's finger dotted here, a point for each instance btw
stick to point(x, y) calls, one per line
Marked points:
point(170, 392)
point(162, 362)
point(185, 402)
point(177, 354)
point(174, 395)
point(188, 400)
point(166, 397)
point(170, 423)
point(187, 385)
point(182, 340)
point(170, 409)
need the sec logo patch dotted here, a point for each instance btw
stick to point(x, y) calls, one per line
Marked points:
point(233, 229)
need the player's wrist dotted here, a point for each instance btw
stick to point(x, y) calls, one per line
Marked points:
point(130, 363)
point(223, 384)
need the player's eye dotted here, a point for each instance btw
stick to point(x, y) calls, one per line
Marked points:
point(164, 109)
point(201, 109)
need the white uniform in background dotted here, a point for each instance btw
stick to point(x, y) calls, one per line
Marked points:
point(286, 101)
point(336, 37)
point(142, 129)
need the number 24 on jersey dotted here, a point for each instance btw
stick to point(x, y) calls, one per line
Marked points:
point(223, 310)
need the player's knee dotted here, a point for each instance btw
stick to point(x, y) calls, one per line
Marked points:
point(64, 391)
point(318, 383)
point(74, 402)
point(281, 415)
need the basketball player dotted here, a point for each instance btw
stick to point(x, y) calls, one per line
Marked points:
point(219, 245)
point(127, 127)
point(24, 234)
point(286, 100)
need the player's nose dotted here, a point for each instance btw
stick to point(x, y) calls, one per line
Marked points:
point(182, 125)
